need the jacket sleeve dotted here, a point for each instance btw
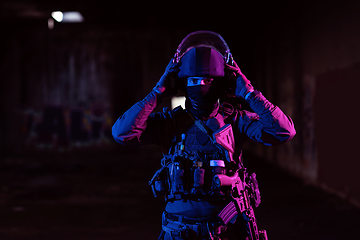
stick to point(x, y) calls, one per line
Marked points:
point(268, 125)
point(129, 129)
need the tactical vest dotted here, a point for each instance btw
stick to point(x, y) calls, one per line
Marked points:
point(188, 170)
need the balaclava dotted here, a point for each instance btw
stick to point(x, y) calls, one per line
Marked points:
point(202, 62)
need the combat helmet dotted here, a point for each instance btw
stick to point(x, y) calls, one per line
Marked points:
point(202, 53)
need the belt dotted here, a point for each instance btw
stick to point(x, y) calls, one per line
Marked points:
point(181, 218)
point(181, 226)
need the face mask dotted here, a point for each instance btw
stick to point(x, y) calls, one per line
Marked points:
point(203, 98)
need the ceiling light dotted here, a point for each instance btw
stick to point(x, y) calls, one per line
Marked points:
point(67, 16)
point(73, 17)
point(58, 16)
point(178, 100)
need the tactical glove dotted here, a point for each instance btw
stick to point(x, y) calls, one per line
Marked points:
point(163, 86)
point(242, 86)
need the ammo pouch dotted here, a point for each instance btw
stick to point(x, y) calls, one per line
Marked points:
point(159, 182)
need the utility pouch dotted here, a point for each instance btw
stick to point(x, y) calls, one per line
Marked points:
point(159, 182)
point(225, 137)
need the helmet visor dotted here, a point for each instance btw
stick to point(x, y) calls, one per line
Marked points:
point(204, 39)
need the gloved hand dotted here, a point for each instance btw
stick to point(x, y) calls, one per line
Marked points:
point(242, 85)
point(163, 86)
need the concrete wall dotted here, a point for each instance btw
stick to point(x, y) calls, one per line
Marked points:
point(78, 78)
point(65, 87)
point(309, 65)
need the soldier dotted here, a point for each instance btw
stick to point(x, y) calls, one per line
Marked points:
point(208, 192)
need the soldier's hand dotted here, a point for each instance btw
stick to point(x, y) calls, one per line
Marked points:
point(240, 85)
point(163, 86)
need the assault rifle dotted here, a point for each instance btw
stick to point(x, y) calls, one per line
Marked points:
point(245, 195)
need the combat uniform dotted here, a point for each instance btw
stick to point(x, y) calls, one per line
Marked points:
point(202, 144)
point(267, 125)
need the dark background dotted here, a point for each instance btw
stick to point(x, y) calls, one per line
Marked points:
point(63, 176)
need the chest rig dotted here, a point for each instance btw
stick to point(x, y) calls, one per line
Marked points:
point(200, 165)
point(189, 169)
